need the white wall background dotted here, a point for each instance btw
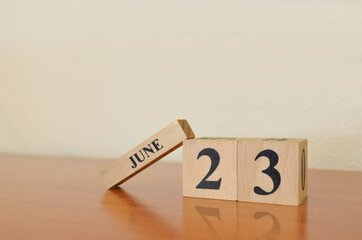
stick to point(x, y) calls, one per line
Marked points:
point(95, 78)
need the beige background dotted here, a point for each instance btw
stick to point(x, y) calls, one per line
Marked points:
point(95, 78)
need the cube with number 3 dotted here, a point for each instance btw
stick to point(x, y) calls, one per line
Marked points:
point(272, 170)
point(210, 168)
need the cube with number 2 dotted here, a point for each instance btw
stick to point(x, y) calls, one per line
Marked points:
point(210, 168)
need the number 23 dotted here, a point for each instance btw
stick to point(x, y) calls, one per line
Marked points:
point(215, 160)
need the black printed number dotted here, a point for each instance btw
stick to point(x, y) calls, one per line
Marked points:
point(303, 170)
point(270, 171)
point(215, 160)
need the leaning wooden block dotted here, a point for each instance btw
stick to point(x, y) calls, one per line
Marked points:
point(272, 170)
point(210, 168)
point(148, 152)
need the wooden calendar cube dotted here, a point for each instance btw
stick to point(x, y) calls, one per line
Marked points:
point(272, 170)
point(210, 168)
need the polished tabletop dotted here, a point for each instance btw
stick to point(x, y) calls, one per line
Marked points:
point(64, 198)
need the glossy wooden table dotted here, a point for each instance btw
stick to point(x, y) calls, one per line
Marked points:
point(63, 198)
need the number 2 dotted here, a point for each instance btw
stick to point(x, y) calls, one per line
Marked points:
point(270, 171)
point(215, 160)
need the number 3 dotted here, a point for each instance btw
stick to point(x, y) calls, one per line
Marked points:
point(270, 171)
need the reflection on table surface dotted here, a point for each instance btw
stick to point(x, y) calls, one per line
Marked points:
point(209, 219)
point(137, 216)
point(218, 219)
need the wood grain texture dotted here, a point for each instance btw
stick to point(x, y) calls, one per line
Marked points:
point(63, 198)
point(253, 170)
point(196, 167)
point(146, 153)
